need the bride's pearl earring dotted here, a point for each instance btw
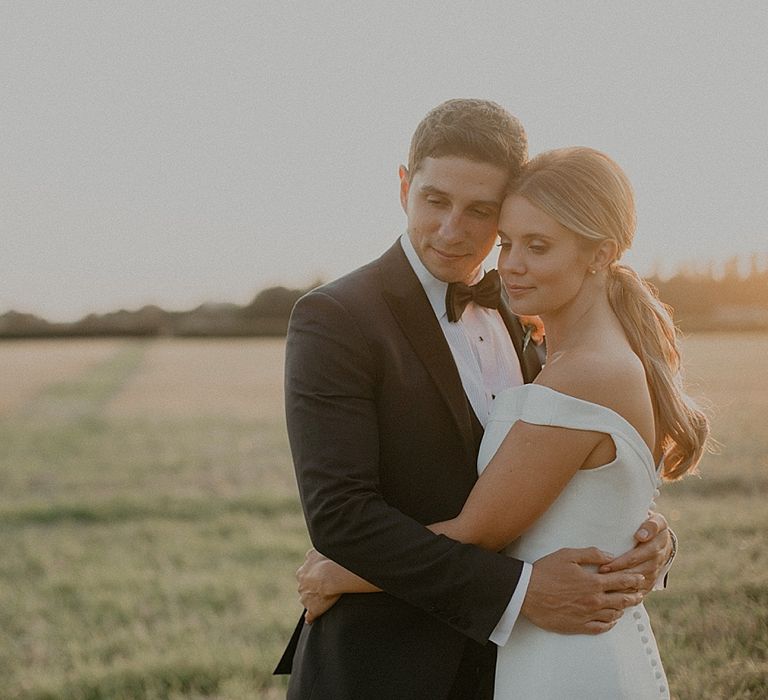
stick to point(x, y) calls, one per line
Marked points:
point(592, 271)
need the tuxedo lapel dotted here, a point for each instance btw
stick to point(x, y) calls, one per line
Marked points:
point(409, 305)
point(530, 364)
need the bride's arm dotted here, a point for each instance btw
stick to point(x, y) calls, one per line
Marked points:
point(529, 470)
point(527, 473)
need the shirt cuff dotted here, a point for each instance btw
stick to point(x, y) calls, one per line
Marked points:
point(503, 629)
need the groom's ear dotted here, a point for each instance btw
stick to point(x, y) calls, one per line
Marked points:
point(405, 183)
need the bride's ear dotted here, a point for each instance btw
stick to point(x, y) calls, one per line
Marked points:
point(405, 183)
point(606, 252)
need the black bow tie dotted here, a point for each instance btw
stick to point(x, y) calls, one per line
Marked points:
point(487, 292)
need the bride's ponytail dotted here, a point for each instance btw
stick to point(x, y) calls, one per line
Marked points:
point(588, 193)
point(648, 325)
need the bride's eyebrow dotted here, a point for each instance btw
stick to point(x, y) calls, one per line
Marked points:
point(538, 234)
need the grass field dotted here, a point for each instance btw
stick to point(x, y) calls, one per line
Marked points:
point(150, 525)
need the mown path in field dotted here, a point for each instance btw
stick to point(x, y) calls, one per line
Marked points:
point(31, 366)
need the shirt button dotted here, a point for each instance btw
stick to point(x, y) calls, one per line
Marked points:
point(637, 615)
point(644, 639)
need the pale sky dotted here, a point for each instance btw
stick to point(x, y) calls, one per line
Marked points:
point(182, 152)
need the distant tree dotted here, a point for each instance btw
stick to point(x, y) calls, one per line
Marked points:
point(18, 325)
point(731, 269)
point(275, 302)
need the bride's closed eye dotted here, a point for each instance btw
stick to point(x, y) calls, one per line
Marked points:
point(534, 246)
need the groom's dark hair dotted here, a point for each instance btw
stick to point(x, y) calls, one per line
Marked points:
point(479, 130)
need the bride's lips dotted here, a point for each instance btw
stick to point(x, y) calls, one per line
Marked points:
point(517, 289)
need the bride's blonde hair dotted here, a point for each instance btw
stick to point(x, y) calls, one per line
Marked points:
point(588, 193)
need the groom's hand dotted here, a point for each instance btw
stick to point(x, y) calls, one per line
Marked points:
point(567, 595)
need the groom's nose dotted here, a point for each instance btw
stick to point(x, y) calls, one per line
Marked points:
point(451, 227)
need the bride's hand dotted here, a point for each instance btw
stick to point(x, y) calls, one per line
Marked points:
point(322, 581)
point(650, 556)
point(315, 577)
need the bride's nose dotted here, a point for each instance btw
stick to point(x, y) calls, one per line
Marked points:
point(511, 261)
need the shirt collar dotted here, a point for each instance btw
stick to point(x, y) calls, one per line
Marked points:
point(434, 288)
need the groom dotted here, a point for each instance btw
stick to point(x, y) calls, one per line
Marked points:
point(387, 392)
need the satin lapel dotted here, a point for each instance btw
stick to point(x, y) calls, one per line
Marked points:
point(409, 305)
point(530, 363)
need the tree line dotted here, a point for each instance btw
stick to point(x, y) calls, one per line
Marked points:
point(701, 300)
point(732, 300)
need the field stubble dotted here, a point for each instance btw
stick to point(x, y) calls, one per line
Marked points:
point(151, 525)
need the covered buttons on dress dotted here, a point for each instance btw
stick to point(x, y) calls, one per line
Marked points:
point(649, 650)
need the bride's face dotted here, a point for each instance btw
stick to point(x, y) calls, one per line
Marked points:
point(542, 263)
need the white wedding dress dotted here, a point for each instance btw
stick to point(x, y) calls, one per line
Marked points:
point(600, 507)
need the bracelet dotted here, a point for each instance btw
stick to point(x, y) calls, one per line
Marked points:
point(672, 554)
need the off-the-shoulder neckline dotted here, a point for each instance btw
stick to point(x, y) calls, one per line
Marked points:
point(645, 449)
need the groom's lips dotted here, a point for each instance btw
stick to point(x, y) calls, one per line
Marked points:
point(517, 288)
point(449, 256)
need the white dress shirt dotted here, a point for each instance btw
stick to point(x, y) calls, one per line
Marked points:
point(487, 364)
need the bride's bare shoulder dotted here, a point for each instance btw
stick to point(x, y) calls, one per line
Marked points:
point(613, 377)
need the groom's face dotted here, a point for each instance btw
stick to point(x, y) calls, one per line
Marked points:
point(452, 205)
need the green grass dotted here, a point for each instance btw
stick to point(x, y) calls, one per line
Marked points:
point(712, 622)
point(154, 559)
point(142, 559)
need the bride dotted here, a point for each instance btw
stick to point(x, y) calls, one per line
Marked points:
point(574, 459)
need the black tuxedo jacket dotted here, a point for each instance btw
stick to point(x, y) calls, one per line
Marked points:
point(384, 441)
